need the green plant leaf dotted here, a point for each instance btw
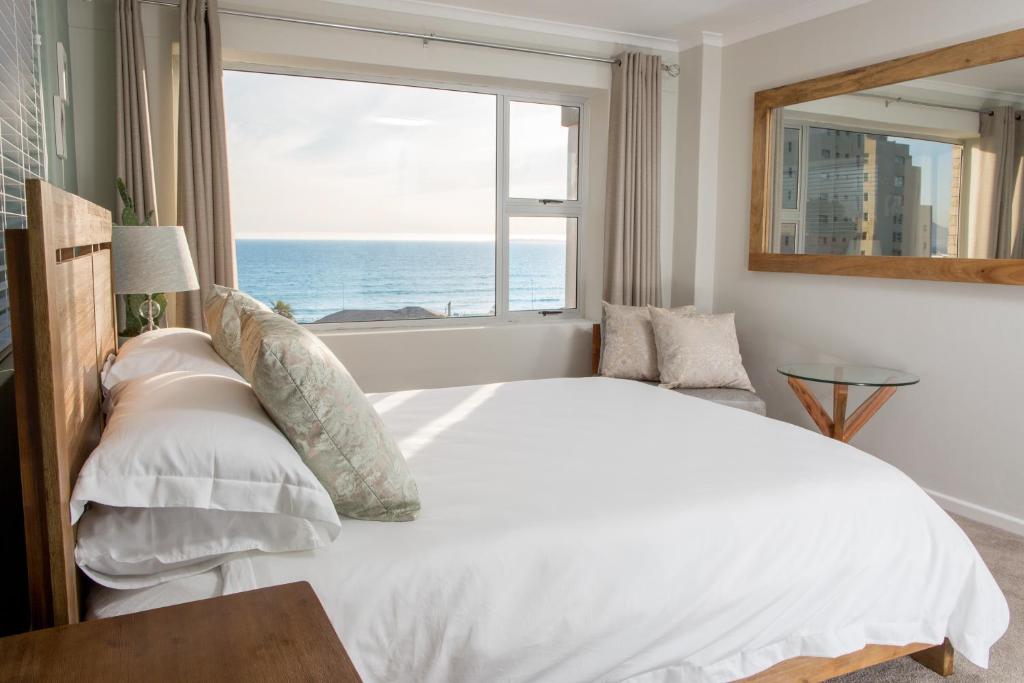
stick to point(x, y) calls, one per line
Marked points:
point(128, 215)
point(283, 309)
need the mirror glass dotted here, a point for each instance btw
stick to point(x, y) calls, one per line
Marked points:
point(930, 168)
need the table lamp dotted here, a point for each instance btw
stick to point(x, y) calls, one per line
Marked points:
point(149, 259)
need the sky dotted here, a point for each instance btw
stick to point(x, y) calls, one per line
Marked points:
point(319, 158)
point(935, 159)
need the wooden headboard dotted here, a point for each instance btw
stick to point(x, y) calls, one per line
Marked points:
point(595, 349)
point(63, 327)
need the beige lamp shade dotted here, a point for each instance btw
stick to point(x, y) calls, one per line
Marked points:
point(152, 258)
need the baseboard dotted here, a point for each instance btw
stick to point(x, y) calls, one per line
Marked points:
point(978, 513)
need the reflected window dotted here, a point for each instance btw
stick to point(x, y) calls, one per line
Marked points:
point(865, 191)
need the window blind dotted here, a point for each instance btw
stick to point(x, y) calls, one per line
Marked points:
point(21, 130)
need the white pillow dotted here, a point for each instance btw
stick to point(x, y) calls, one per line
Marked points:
point(189, 473)
point(628, 350)
point(166, 350)
point(698, 351)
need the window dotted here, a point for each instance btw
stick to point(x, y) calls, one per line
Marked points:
point(542, 259)
point(21, 132)
point(359, 201)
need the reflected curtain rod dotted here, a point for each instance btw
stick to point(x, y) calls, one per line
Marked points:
point(670, 69)
point(901, 100)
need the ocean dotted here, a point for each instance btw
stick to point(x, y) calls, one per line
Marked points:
point(320, 277)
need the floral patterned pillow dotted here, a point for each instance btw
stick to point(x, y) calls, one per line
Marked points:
point(222, 311)
point(316, 404)
point(627, 341)
point(698, 351)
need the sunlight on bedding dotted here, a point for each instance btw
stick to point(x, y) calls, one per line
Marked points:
point(382, 403)
point(414, 443)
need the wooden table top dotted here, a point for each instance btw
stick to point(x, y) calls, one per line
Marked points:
point(279, 633)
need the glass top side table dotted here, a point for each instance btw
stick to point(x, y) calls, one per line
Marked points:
point(842, 377)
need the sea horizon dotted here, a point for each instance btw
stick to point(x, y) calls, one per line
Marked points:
point(322, 277)
point(393, 237)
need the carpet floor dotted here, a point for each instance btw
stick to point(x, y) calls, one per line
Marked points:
point(1003, 552)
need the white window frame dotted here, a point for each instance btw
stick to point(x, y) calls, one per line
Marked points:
point(505, 207)
point(804, 122)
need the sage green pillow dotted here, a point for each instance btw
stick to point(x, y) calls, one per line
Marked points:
point(314, 400)
point(222, 311)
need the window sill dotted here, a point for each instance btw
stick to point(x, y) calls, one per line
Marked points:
point(327, 330)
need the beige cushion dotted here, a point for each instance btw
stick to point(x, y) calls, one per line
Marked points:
point(627, 342)
point(698, 351)
point(222, 311)
point(316, 404)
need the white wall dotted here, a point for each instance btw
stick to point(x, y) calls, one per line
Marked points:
point(960, 432)
point(684, 244)
point(389, 359)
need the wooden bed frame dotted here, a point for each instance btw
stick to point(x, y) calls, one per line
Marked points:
point(62, 310)
point(63, 328)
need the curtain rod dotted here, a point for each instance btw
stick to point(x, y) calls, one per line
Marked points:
point(670, 69)
point(900, 100)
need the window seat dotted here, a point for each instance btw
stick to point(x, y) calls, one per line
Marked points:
point(734, 398)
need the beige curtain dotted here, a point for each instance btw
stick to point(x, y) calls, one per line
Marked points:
point(203, 200)
point(134, 146)
point(632, 269)
point(1016, 231)
point(996, 227)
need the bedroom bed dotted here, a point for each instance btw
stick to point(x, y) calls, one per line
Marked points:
point(571, 529)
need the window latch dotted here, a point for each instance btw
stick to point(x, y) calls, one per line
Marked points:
point(551, 201)
point(547, 313)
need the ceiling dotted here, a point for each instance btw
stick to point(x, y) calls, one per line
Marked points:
point(652, 23)
point(1001, 83)
point(1001, 78)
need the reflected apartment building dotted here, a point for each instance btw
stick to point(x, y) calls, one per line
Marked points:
point(864, 197)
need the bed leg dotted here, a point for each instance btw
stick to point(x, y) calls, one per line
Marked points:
point(939, 658)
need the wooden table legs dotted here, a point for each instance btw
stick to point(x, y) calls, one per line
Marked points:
point(839, 426)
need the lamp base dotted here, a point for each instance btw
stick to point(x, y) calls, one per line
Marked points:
point(149, 310)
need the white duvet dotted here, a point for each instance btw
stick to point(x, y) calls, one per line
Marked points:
point(603, 530)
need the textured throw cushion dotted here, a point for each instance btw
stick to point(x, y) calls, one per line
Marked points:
point(191, 472)
point(627, 341)
point(322, 411)
point(222, 311)
point(166, 350)
point(698, 351)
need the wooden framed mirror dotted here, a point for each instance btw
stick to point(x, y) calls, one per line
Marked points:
point(912, 168)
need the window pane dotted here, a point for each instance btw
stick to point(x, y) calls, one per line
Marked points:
point(542, 262)
point(881, 195)
point(362, 201)
point(787, 238)
point(544, 142)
